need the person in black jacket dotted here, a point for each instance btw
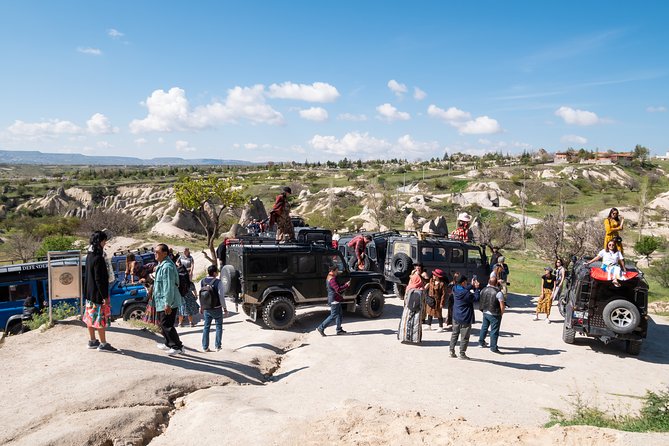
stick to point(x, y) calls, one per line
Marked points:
point(98, 309)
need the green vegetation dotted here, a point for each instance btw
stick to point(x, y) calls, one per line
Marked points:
point(58, 313)
point(653, 417)
point(55, 243)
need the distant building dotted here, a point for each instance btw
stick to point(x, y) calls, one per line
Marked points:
point(624, 158)
point(663, 157)
point(561, 157)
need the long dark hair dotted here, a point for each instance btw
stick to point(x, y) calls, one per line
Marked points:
point(617, 217)
point(615, 246)
point(97, 237)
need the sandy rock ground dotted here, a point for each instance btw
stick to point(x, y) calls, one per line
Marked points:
point(296, 387)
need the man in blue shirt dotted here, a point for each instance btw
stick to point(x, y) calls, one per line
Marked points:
point(464, 296)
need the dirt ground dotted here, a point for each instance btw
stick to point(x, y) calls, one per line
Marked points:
point(295, 387)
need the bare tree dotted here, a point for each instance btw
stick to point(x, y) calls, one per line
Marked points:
point(495, 229)
point(23, 245)
point(556, 239)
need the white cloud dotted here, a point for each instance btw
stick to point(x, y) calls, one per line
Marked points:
point(480, 125)
point(105, 145)
point(577, 117)
point(99, 125)
point(397, 88)
point(161, 140)
point(53, 127)
point(250, 146)
point(419, 94)
point(453, 115)
point(351, 117)
point(314, 114)
point(573, 139)
point(184, 146)
point(170, 111)
point(389, 113)
point(485, 141)
point(316, 92)
point(90, 51)
point(362, 145)
point(463, 121)
point(658, 109)
point(114, 33)
point(350, 144)
point(141, 141)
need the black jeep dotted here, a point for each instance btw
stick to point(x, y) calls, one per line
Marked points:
point(433, 251)
point(598, 309)
point(271, 279)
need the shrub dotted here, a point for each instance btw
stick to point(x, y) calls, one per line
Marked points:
point(647, 245)
point(116, 222)
point(55, 243)
point(660, 271)
point(58, 312)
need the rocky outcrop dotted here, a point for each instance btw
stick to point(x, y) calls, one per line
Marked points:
point(436, 226)
point(255, 209)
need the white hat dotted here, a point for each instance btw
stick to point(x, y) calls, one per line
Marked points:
point(464, 217)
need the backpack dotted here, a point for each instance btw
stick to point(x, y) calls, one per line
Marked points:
point(209, 298)
point(184, 280)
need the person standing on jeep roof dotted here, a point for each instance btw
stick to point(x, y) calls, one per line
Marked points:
point(212, 307)
point(462, 231)
point(464, 297)
point(613, 224)
point(334, 300)
point(280, 214)
point(167, 299)
point(98, 307)
point(357, 247)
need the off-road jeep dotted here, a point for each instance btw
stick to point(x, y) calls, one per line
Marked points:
point(271, 280)
point(451, 256)
point(596, 308)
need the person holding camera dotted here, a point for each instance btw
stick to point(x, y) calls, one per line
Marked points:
point(613, 224)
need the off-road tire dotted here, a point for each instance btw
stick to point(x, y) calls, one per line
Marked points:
point(621, 316)
point(401, 264)
point(562, 305)
point(279, 313)
point(399, 290)
point(568, 334)
point(15, 327)
point(134, 312)
point(229, 279)
point(633, 347)
point(371, 303)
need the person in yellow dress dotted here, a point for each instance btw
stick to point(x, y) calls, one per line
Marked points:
point(613, 224)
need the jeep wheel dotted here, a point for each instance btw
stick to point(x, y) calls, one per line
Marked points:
point(134, 312)
point(401, 264)
point(633, 347)
point(279, 313)
point(15, 327)
point(562, 305)
point(568, 334)
point(371, 303)
point(229, 279)
point(621, 316)
point(399, 290)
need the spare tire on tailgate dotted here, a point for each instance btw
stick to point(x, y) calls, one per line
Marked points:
point(401, 264)
point(621, 316)
point(229, 278)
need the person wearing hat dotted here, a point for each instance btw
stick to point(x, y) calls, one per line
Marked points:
point(462, 231)
point(436, 298)
point(546, 294)
point(280, 214)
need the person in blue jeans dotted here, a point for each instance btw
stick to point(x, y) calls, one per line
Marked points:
point(334, 300)
point(492, 305)
point(212, 306)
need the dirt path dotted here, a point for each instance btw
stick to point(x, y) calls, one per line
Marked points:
point(269, 387)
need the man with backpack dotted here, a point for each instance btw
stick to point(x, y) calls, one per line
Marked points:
point(212, 306)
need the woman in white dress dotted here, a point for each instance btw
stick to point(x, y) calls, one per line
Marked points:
point(612, 262)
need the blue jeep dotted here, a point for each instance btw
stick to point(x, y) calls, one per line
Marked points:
point(30, 279)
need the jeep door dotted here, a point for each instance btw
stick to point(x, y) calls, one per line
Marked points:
point(308, 277)
point(477, 265)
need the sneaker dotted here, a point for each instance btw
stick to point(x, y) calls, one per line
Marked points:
point(483, 344)
point(107, 347)
point(93, 344)
point(206, 350)
point(548, 321)
point(496, 351)
point(162, 346)
point(175, 351)
point(453, 355)
point(218, 349)
point(342, 332)
point(463, 356)
point(320, 330)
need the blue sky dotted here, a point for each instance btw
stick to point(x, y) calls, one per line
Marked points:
point(318, 80)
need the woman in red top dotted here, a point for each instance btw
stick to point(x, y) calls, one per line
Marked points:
point(280, 214)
